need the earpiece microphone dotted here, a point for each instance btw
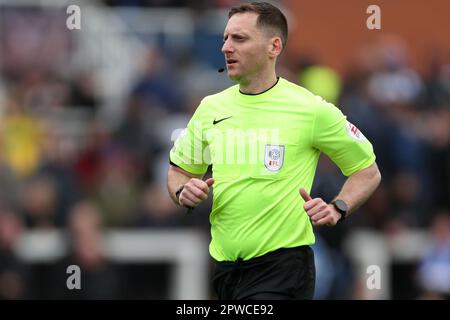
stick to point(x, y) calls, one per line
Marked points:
point(221, 70)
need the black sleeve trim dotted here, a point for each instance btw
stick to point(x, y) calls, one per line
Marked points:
point(175, 165)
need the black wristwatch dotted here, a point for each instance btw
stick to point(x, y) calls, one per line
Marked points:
point(341, 207)
point(177, 194)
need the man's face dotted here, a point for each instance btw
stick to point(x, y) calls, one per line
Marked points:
point(245, 47)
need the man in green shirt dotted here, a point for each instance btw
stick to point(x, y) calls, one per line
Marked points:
point(263, 138)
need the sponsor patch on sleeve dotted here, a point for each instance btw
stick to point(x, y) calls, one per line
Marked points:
point(354, 132)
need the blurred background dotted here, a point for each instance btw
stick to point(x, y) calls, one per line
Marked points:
point(87, 119)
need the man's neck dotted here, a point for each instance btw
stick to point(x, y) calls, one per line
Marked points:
point(258, 84)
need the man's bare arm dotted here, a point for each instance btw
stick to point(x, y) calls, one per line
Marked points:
point(356, 190)
point(176, 178)
point(195, 189)
point(359, 187)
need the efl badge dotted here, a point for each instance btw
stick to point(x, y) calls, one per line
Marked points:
point(354, 132)
point(274, 157)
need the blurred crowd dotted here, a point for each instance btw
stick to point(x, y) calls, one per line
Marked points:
point(406, 116)
point(63, 167)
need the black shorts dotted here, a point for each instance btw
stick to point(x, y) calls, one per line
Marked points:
point(287, 273)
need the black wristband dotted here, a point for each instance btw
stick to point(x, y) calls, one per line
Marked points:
point(177, 195)
point(178, 192)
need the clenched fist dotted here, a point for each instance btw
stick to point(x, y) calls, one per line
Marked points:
point(319, 212)
point(194, 192)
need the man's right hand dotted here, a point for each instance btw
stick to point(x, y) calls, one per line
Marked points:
point(194, 192)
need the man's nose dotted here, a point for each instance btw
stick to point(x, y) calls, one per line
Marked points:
point(227, 48)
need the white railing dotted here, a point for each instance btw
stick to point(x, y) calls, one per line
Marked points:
point(187, 250)
point(368, 248)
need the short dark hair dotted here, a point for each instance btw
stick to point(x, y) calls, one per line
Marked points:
point(268, 16)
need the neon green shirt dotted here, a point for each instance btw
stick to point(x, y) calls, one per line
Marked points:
point(263, 148)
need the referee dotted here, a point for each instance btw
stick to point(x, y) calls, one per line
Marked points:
point(263, 137)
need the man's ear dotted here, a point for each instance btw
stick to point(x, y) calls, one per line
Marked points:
point(275, 47)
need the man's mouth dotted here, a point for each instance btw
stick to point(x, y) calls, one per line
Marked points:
point(231, 61)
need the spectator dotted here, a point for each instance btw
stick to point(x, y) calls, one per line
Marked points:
point(13, 271)
point(434, 270)
point(100, 278)
point(157, 210)
point(21, 138)
point(39, 202)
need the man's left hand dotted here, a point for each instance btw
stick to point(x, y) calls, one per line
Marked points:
point(319, 212)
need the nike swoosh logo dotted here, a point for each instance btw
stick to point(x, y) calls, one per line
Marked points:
point(217, 121)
